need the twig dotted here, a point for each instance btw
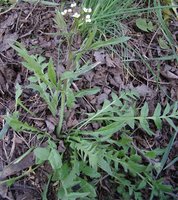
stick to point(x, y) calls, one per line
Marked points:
point(2, 13)
point(76, 88)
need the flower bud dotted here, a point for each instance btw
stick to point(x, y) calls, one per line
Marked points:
point(87, 20)
point(87, 17)
point(76, 15)
point(69, 10)
point(73, 5)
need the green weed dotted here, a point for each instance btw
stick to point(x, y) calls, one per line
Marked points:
point(91, 155)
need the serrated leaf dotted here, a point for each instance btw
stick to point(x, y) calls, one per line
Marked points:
point(105, 166)
point(141, 185)
point(51, 72)
point(59, 19)
point(116, 99)
point(125, 140)
point(144, 124)
point(156, 115)
point(150, 154)
point(33, 79)
point(157, 111)
point(158, 122)
point(136, 158)
point(84, 69)
point(135, 167)
point(31, 62)
point(87, 187)
point(109, 42)
point(143, 25)
point(167, 109)
point(17, 125)
point(67, 75)
point(107, 131)
point(70, 98)
point(54, 102)
point(87, 151)
point(89, 171)
point(144, 110)
point(87, 92)
point(10, 182)
point(163, 44)
point(165, 188)
point(106, 108)
point(69, 180)
point(88, 42)
point(130, 117)
point(175, 108)
point(171, 123)
point(18, 92)
point(150, 26)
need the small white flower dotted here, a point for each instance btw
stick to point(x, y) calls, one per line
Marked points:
point(76, 15)
point(87, 17)
point(87, 20)
point(89, 10)
point(73, 5)
point(64, 12)
point(85, 9)
point(69, 10)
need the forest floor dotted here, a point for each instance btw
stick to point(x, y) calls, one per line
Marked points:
point(147, 65)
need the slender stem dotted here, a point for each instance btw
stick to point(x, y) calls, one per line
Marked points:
point(61, 116)
point(63, 93)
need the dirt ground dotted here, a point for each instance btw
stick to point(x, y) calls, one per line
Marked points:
point(32, 25)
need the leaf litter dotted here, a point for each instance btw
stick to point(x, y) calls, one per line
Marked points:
point(32, 25)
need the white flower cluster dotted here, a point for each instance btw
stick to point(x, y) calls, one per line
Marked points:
point(64, 12)
point(76, 14)
point(87, 10)
point(73, 5)
point(87, 18)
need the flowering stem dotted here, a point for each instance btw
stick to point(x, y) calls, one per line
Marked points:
point(61, 115)
point(63, 93)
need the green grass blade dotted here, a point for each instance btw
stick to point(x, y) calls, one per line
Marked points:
point(166, 154)
point(171, 163)
point(4, 130)
point(102, 44)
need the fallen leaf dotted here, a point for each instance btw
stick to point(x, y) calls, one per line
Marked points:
point(100, 56)
point(7, 22)
point(61, 148)
point(143, 90)
point(72, 121)
point(169, 72)
point(7, 41)
point(13, 168)
point(109, 61)
point(101, 98)
point(51, 122)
